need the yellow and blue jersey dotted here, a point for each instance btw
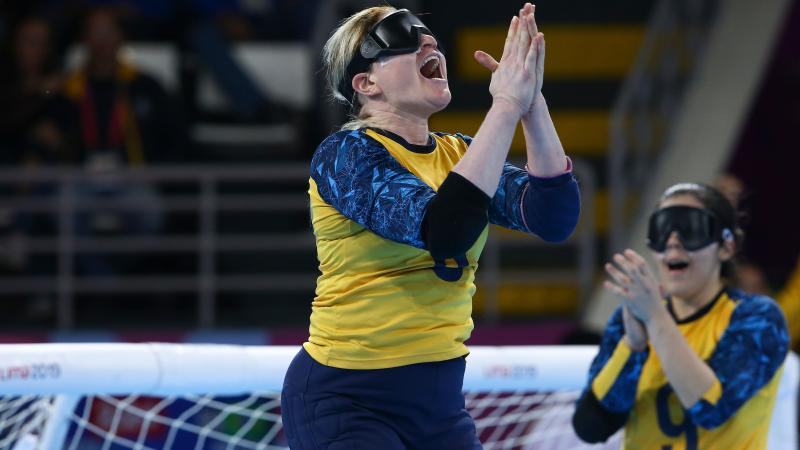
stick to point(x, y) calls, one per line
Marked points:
point(743, 338)
point(381, 299)
point(789, 300)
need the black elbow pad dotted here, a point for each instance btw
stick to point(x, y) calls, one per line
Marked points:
point(455, 217)
point(592, 422)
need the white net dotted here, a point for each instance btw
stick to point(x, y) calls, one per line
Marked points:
point(505, 420)
point(22, 419)
point(192, 422)
point(528, 421)
point(58, 396)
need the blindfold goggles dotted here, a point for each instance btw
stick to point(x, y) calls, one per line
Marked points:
point(696, 228)
point(396, 34)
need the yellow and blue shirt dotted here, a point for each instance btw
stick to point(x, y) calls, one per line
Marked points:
point(743, 338)
point(381, 299)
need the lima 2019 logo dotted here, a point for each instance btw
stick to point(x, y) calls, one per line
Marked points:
point(26, 372)
point(515, 371)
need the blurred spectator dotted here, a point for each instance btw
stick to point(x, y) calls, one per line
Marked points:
point(220, 22)
point(283, 20)
point(239, 20)
point(117, 117)
point(206, 28)
point(115, 111)
point(752, 279)
point(27, 87)
point(731, 187)
point(28, 84)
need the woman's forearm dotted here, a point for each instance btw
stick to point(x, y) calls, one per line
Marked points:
point(483, 163)
point(689, 376)
point(546, 156)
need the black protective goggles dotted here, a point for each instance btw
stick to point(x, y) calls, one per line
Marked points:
point(396, 34)
point(696, 228)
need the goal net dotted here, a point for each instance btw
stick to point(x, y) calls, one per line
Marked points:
point(185, 396)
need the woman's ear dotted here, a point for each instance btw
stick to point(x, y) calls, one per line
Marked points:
point(363, 84)
point(727, 249)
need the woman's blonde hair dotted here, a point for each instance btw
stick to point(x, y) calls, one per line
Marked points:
point(339, 50)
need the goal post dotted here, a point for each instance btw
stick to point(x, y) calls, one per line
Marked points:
point(209, 397)
point(180, 369)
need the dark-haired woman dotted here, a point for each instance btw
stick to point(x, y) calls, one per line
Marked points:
point(689, 363)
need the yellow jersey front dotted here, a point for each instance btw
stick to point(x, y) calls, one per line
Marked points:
point(742, 338)
point(379, 303)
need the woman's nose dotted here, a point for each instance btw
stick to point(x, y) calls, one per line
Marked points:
point(674, 240)
point(429, 41)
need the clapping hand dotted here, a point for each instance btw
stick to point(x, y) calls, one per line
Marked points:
point(634, 284)
point(517, 77)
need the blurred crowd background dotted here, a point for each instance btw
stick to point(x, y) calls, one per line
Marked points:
point(154, 160)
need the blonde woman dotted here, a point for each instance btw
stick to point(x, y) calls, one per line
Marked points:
point(400, 216)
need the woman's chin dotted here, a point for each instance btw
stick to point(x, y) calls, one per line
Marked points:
point(441, 101)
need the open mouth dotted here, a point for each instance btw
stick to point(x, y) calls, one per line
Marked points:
point(431, 68)
point(677, 266)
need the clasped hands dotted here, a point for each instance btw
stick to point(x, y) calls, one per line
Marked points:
point(517, 77)
point(638, 290)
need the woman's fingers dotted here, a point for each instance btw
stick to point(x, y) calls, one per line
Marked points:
point(614, 289)
point(530, 24)
point(539, 62)
point(486, 60)
point(639, 263)
point(540, 55)
point(523, 39)
point(626, 266)
point(621, 278)
point(509, 38)
point(533, 53)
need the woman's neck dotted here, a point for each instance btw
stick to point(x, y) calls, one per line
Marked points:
point(414, 129)
point(686, 306)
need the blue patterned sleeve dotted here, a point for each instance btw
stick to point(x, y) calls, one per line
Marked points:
point(506, 206)
point(622, 394)
point(547, 207)
point(746, 358)
point(356, 175)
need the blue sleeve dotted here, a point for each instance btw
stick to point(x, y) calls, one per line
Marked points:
point(356, 175)
point(547, 207)
point(746, 358)
point(622, 395)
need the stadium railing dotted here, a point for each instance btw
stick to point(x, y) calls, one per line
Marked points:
point(648, 101)
point(205, 202)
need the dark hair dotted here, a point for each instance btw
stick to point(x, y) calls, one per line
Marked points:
point(10, 73)
point(719, 205)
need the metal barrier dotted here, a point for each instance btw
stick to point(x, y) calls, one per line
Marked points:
point(650, 97)
point(208, 201)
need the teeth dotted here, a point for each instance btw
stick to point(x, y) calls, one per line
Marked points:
point(430, 58)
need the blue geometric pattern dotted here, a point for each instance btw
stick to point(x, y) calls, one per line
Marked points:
point(746, 358)
point(356, 175)
point(622, 395)
point(506, 208)
point(551, 205)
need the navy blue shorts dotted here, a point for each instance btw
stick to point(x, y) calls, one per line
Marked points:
point(414, 407)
